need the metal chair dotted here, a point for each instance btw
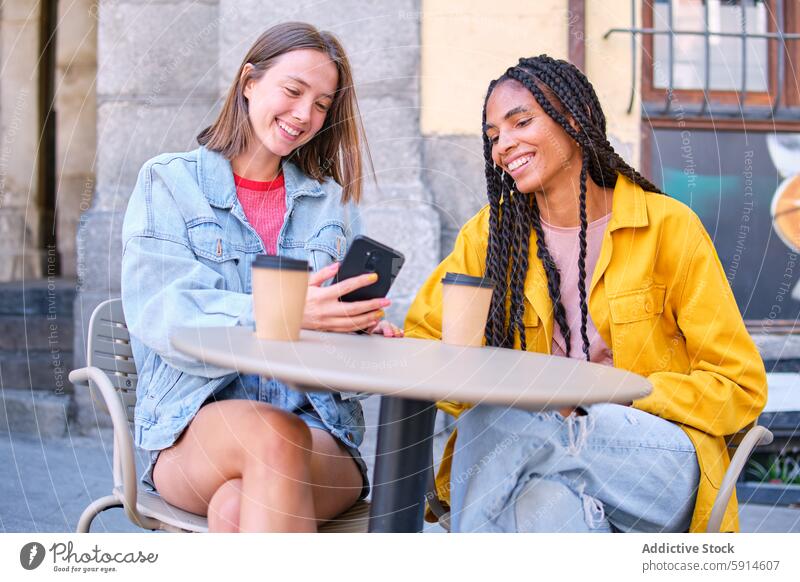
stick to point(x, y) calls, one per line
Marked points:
point(111, 374)
point(742, 443)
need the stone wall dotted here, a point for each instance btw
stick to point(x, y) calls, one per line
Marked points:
point(76, 122)
point(21, 213)
point(20, 255)
point(156, 89)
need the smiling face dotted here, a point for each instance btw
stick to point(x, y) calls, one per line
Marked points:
point(526, 142)
point(288, 104)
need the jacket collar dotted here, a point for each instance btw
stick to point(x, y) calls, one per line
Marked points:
point(628, 208)
point(216, 179)
point(298, 184)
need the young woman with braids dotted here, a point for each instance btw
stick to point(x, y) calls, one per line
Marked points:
point(591, 261)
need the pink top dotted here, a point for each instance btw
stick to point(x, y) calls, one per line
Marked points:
point(264, 205)
point(564, 246)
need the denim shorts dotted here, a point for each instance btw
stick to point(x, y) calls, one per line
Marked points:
point(614, 469)
point(249, 387)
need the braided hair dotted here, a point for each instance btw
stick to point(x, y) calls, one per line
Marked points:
point(564, 93)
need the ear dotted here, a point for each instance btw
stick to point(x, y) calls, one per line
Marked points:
point(245, 78)
point(573, 124)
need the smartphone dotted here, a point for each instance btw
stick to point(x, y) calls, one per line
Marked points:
point(367, 255)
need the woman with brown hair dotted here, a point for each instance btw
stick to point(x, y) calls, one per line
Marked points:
point(279, 172)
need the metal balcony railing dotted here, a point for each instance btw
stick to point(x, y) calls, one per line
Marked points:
point(707, 108)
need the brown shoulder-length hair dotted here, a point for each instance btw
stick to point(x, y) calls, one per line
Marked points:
point(335, 151)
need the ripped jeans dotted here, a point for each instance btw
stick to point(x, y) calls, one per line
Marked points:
point(614, 469)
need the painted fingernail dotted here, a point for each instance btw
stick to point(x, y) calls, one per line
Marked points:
point(373, 277)
point(381, 314)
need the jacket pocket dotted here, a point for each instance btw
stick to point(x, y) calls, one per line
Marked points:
point(328, 245)
point(638, 338)
point(208, 241)
point(637, 305)
point(214, 249)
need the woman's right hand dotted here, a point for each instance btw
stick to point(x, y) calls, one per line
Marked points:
point(324, 311)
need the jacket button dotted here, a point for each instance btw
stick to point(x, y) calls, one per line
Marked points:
point(648, 307)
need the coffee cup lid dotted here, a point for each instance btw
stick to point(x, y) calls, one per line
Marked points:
point(462, 279)
point(276, 262)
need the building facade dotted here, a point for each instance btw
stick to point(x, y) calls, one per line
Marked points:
point(92, 89)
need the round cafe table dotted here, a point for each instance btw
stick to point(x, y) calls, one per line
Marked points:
point(411, 375)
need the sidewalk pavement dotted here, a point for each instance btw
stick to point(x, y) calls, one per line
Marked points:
point(46, 483)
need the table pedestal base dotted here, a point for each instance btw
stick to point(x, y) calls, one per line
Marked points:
point(402, 464)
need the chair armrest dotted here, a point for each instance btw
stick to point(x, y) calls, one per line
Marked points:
point(758, 435)
point(123, 442)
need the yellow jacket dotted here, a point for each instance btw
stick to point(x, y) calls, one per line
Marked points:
point(661, 302)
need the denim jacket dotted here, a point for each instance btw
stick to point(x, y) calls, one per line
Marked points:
point(187, 254)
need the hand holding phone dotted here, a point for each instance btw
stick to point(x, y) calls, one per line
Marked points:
point(367, 255)
point(325, 312)
point(356, 298)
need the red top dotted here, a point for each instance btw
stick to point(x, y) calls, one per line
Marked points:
point(264, 205)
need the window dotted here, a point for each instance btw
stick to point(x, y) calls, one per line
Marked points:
point(721, 58)
point(735, 63)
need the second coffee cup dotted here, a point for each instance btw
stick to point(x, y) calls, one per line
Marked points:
point(279, 296)
point(465, 308)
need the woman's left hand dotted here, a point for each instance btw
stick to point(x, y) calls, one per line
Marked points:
point(387, 329)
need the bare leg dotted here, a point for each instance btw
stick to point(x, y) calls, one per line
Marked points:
point(224, 507)
point(336, 478)
point(268, 449)
point(336, 486)
point(246, 458)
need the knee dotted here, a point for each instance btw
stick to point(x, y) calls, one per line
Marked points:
point(538, 506)
point(545, 505)
point(276, 438)
point(224, 507)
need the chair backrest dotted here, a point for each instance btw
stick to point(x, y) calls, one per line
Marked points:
point(109, 349)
